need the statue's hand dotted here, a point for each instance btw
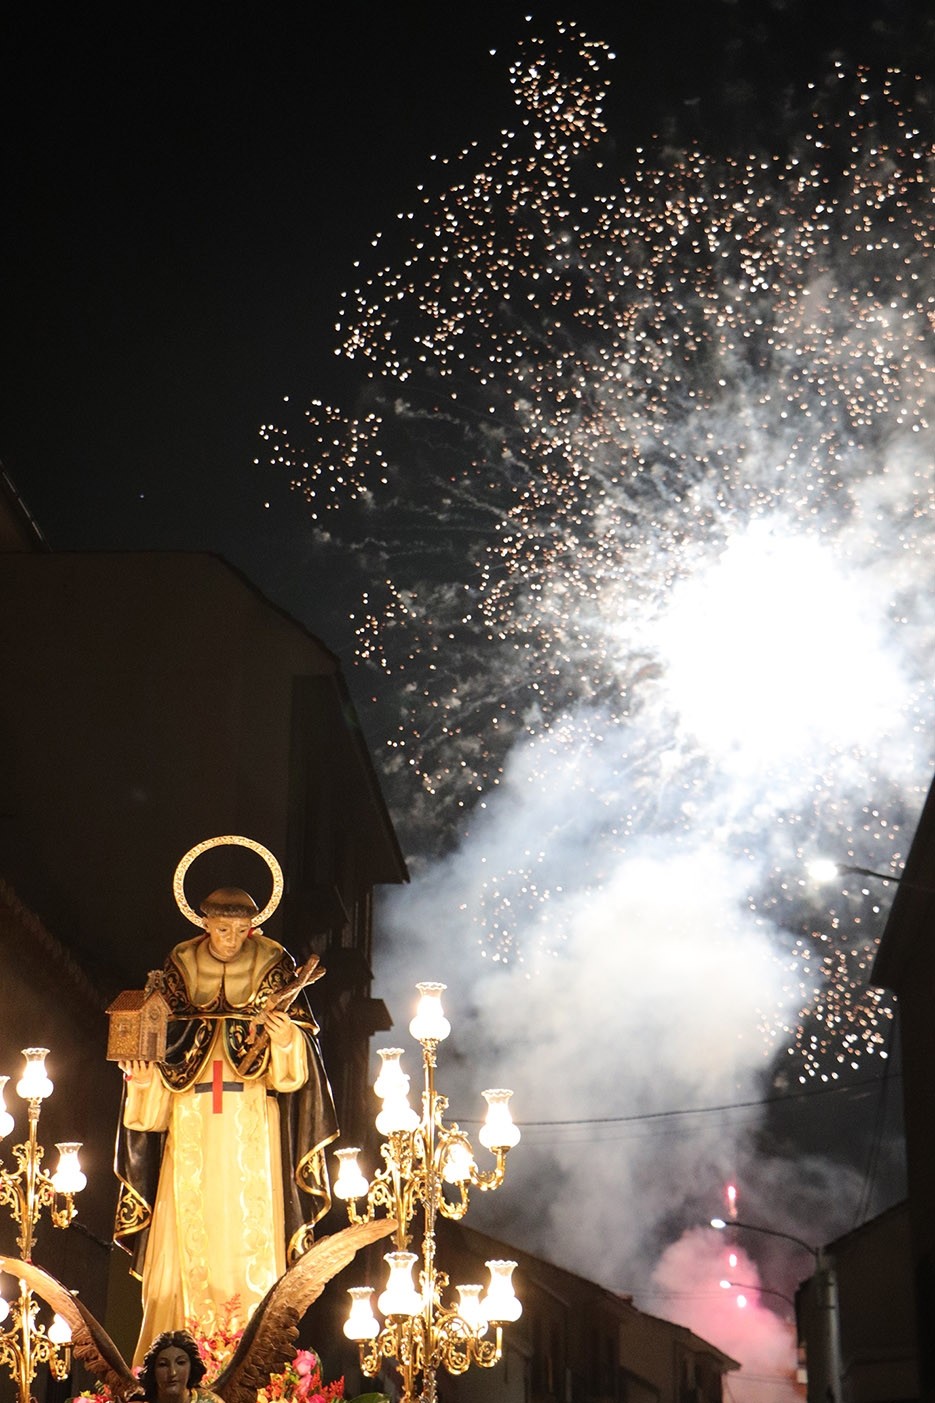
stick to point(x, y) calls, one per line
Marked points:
point(137, 1071)
point(279, 1026)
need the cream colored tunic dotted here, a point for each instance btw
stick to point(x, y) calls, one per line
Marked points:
point(218, 1228)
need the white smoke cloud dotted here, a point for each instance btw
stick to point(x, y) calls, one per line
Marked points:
point(652, 987)
point(603, 953)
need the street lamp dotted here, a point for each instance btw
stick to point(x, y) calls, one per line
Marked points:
point(26, 1190)
point(421, 1156)
point(720, 1224)
point(824, 869)
point(827, 1292)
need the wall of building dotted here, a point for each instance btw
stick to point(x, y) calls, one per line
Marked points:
point(575, 1342)
point(876, 1322)
point(905, 963)
point(151, 701)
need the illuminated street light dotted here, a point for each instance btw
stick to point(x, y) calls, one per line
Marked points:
point(823, 869)
point(720, 1224)
point(827, 1291)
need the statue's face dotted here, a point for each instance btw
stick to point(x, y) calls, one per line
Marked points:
point(226, 935)
point(171, 1369)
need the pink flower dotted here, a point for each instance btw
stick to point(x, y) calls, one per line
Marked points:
point(305, 1362)
point(306, 1367)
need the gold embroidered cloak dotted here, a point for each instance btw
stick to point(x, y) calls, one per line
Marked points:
point(227, 1203)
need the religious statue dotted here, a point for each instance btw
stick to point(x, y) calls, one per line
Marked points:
point(220, 1151)
point(173, 1370)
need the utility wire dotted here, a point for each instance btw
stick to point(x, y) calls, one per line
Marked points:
point(706, 1110)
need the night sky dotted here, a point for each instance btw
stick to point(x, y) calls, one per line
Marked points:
point(187, 194)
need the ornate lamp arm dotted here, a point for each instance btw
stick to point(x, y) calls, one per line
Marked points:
point(421, 1155)
point(25, 1191)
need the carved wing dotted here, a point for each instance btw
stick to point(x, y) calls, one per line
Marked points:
point(268, 1343)
point(89, 1340)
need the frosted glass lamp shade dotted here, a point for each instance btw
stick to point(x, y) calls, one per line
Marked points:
point(429, 1023)
point(361, 1323)
point(59, 1331)
point(34, 1084)
point(471, 1310)
point(391, 1077)
point(392, 1085)
point(396, 1114)
point(350, 1182)
point(68, 1177)
point(498, 1131)
point(458, 1163)
point(501, 1303)
point(400, 1296)
point(6, 1120)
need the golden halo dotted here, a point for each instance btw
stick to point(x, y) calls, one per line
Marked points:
point(229, 840)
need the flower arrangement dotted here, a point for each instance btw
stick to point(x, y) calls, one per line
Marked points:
point(300, 1381)
point(217, 1346)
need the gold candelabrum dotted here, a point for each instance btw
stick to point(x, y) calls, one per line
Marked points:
point(26, 1343)
point(421, 1157)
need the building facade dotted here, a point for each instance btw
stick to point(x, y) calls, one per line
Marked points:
point(152, 701)
point(872, 1356)
point(905, 963)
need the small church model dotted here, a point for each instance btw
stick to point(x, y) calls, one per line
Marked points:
point(138, 1022)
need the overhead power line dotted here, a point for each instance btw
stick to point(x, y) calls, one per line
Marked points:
point(720, 1108)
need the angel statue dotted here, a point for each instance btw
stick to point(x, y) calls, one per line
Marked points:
point(172, 1369)
point(220, 1150)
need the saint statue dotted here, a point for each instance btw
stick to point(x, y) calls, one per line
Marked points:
point(220, 1151)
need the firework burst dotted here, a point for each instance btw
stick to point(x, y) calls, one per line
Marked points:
point(637, 480)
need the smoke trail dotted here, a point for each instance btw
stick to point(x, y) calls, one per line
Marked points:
point(639, 486)
point(736, 1317)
